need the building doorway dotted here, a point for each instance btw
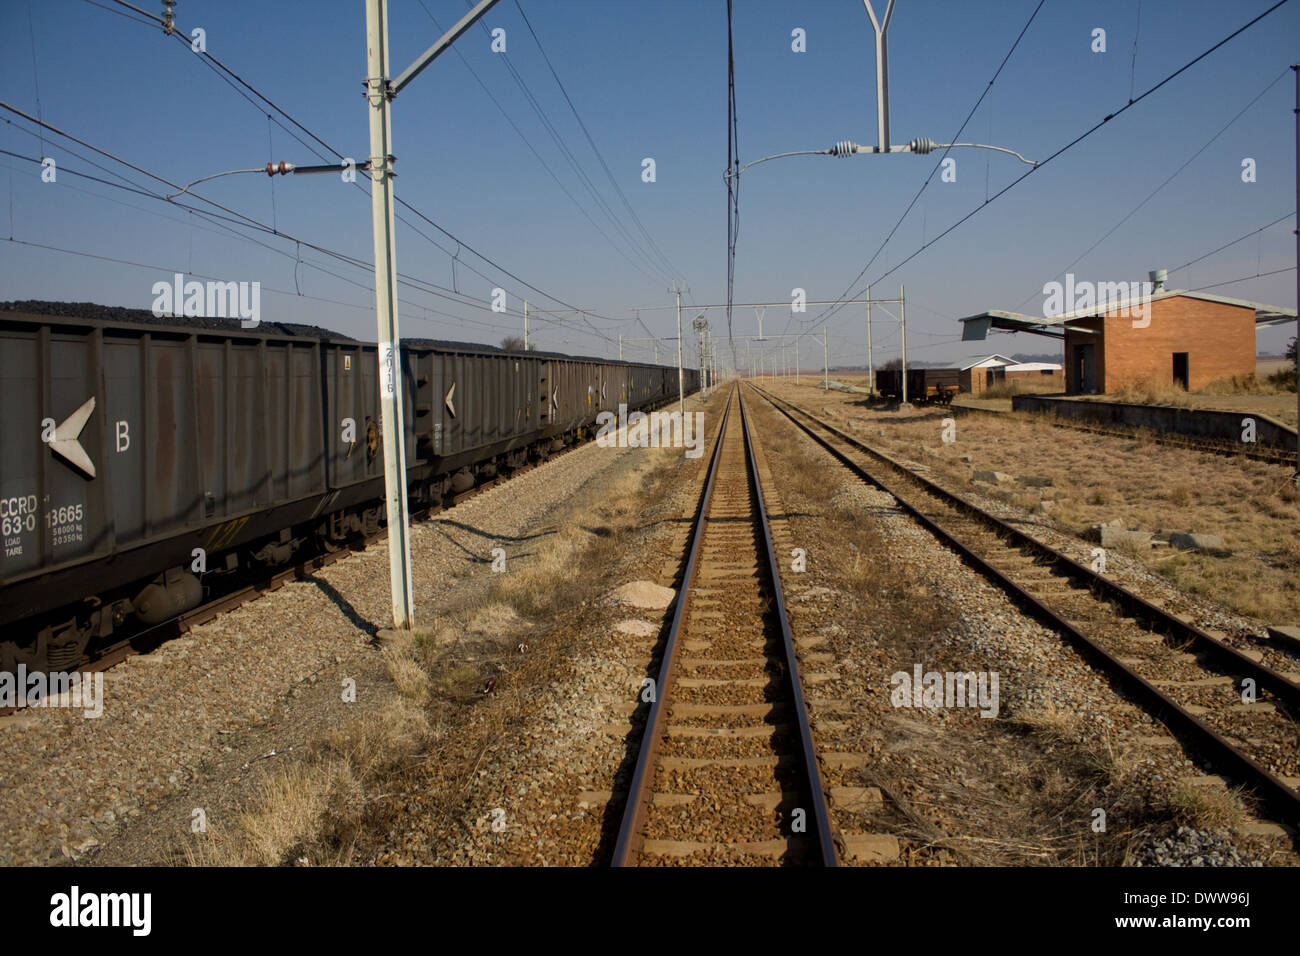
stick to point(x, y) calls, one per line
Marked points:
point(1085, 369)
point(1180, 370)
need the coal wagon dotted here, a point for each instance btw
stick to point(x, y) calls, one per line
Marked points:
point(140, 457)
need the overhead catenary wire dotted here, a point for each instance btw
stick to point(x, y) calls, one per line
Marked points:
point(1192, 262)
point(930, 176)
point(36, 73)
point(234, 77)
point(1132, 211)
point(617, 247)
point(159, 268)
point(1257, 275)
point(239, 219)
point(583, 178)
point(672, 269)
point(1059, 152)
point(733, 180)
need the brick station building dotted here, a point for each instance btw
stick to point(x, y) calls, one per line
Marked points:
point(1166, 337)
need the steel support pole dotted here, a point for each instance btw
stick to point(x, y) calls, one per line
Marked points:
point(681, 381)
point(826, 358)
point(871, 362)
point(525, 325)
point(902, 321)
point(390, 356)
point(796, 360)
point(882, 73)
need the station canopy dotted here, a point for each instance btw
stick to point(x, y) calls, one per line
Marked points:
point(975, 328)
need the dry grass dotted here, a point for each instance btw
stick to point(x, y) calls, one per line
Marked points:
point(549, 578)
point(1207, 807)
point(1020, 387)
point(1112, 762)
point(1147, 392)
point(1051, 724)
point(1282, 379)
point(1252, 505)
point(312, 811)
point(1273, 395)
point(402, 658)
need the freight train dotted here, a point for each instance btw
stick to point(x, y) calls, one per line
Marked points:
point(924, 385)
point(139, 457)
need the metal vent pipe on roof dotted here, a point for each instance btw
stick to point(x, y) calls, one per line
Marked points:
point(1158, 278)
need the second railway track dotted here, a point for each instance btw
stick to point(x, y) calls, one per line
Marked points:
point(1191, 680)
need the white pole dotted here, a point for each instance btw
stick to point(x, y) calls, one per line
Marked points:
point(826, 357)
point(390, 358)
point(525, 325)
point(882, 73)
point(708, 358)
point(681, 387)
point(871, 362)
point(902, 321)
point(1297, 247)
point(796, 360)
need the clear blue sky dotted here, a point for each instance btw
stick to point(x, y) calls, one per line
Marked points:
point(649, 80)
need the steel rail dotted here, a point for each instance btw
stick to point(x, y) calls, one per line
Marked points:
point(1282, 799)
point(638, 798)
point(812, 775)
point(639, 792)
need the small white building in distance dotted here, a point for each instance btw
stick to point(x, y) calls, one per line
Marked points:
point(984, 373)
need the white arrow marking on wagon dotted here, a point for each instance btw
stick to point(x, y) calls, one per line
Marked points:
point(65, 441)
point(451, 406)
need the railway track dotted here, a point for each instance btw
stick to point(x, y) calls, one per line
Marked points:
point(1193, 681)
point(726, 771)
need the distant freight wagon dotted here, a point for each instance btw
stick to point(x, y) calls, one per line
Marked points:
point(924, 385)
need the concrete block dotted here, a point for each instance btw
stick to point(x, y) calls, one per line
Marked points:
point(1204, 543)
point(1114, 536)
point(1284, 634)
point(992, 477)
